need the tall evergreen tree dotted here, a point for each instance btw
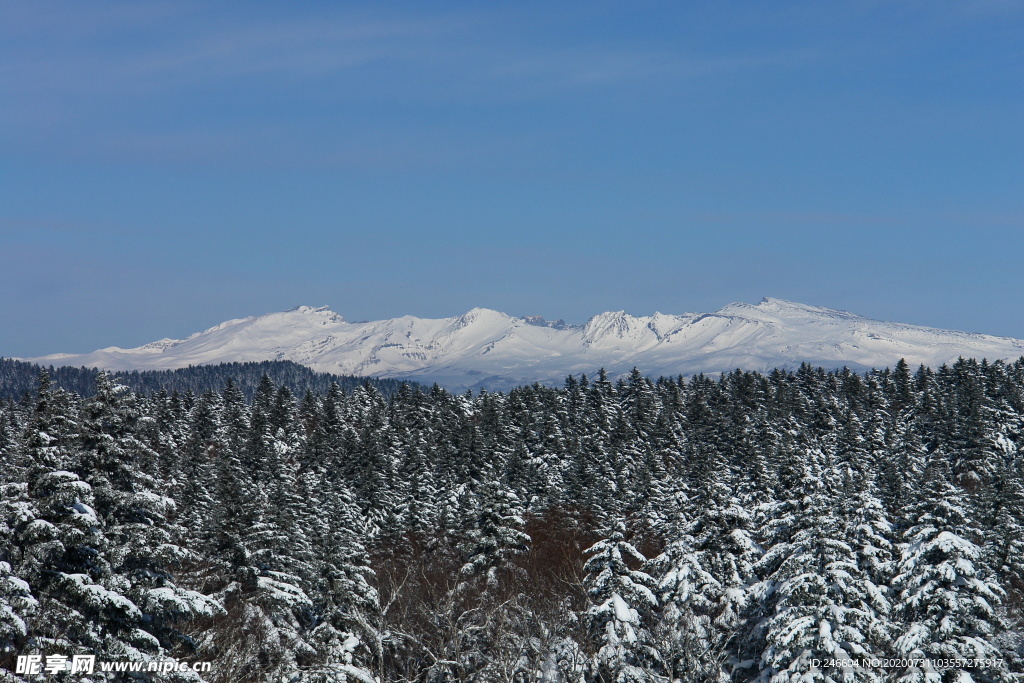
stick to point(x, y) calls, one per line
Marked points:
point(496, 536)
point(622, 600)
point(944, 599)
point(820, 604)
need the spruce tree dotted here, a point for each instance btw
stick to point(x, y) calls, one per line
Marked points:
point(686, 635)
point(944, 599)
point(496, 536)
point(622, 600)
point(821, 606)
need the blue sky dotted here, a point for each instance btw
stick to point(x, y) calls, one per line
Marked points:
point(165, 166)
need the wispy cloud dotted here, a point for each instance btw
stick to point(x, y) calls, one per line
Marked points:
point(843, 220)
point(546, 72)
point(162, 47)
point(146, 48)
point(178, 81)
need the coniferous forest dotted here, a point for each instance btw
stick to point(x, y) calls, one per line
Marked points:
point(794, 526)
point(20, 377)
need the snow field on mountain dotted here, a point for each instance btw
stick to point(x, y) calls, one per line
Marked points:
point(486, 348)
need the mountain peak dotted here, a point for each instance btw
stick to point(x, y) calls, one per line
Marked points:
point(476, 315)
point(615, 325)
point(314, 311)
point(776, 309)
point(479, 311)
point(539, 321)
point(310, 310)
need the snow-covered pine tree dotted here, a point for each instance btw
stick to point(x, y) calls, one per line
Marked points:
point(1004, 555)
point(83, 608)
point(818, 605)
point(346, 632)
point(276, 541)
point(545, 446)
point(142, 542)
point(417, 492)
point(686, 637)
point(622, 600)
point(721, 530)
point(495, 538)
point(371, 456)
point(944, 599)
point(196, 488)
point(61, 541)
point(17, 604)
point(267, 610)
point(852, 476)
point(970, 435)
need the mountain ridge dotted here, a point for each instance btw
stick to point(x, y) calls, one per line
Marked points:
point(485, 348)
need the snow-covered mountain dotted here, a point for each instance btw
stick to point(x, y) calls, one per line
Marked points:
point(485, 348)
